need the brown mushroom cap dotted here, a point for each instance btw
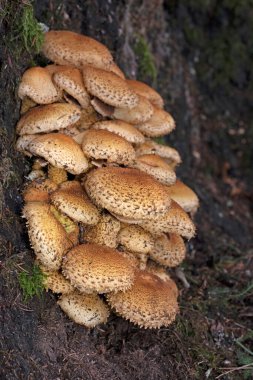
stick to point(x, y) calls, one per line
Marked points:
point(85, 309)
point(31, 86)
point(56, 282)
point(149, 303)
point(121, 128)
point(60, 151)
point(38, 190)
point(184, 196)
point(51, 117)
point(148, 92)
point(157, 167)
point(127, 192)
point(104, 232)
point(169, 250)
point(161, 272)
point(57, 175)
point(109, 88)
point(116, 70)
point(69, 48)
point(171, 155)
point(23, 142)
point(47, 236)
point(105, 145)
point(70, 199)
point(92, 267)
point(136, 239)
point(175, 220)
point(141, 113)
point(161, 123)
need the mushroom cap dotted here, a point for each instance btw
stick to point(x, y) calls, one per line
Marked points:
point(85, 309)
point(51, 117)
point(60, 151)
point(68, 48)
point(161, 123)
point(175, 220)
point(184, 196)
point(104, 232)
point(70, 80)
point(121, 128)
point(109, 88)
point(148, 92)
point(57, 175)
point(127, 192)
point(31, 86)
point(38, 190)
point(47, 236)
point(23, 143)
point(136, 239)
point(171, 155)
point(70, 199)
point(116, 70)
point(92, 267)
point(56, 282)
point(169, 250)
point(161, 272)
point(149, 303)
point(105, 145)
point(154, 165)
point(141, 113)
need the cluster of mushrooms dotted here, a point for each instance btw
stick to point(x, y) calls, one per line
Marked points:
point(106, 215)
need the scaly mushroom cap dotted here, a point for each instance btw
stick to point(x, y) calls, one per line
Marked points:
point(161, 123)
point(136, 239)
point(57, 175)
point(70, 199)
point(105, 232)
point(149, 303)
point(56, 282)
point(175, 220)
point(60, 151)
point(105, 145)
point(85, 309)
point(121, 128)
point(70, 80)
point(127, 192)
point(47, 236)
point(184, 196)
point(171, 155)
point(68, 48)
point(116, 70)
point(44, 119)
point(157, 167)
point(109, 88)
point(169, 250)
point(23, 143)
point(95, 268)
point(161, 272)
point(36, 83)
point(141, 113)
point(148, 92)
point(38, 191)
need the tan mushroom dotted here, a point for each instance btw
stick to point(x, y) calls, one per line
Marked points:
point(141, 113)
point(57, 175)
point(148, 92)
point(121, 128)
point(95, 268)
point(184, 196)
point(38, 190)
point(160, 124)
point(56, 282)
point(169, 250)
point(116, 70)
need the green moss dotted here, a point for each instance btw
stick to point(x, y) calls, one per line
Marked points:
point(30, 30)
point(146, 63)
point(31, 282)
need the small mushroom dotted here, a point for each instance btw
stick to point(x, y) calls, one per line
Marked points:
point(57, 175)
point(169, 250)
point(121, 128)
point(161, 123)
point(148, 92)
point(184, 196)
point(141, 113)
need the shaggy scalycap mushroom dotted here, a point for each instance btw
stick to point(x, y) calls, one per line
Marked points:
point(60, 151)
point(56, 282)
point(85, 309)
point(95, 268)
point(127, 192)
point(149, 303)
point(184, 196)
point(44, 119)
point(135, 239)
point(148, 92)
point(109, 88)
point(39, 190)
point(121, 128)
point(69, 48)
point(160, 124)
point(169, 250)
point(47, 236)
point(170, 155)
point(141, 113)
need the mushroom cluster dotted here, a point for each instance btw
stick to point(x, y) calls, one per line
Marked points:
point(105, 213)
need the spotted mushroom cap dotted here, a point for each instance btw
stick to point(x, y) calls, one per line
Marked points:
point(141, 113)
point(56, 282)
point(169, 250)
point(60, 151)
point(95, 268)
point(68, 48)
point(23, 142)
point(109, 88)
point(136, 239)
point(38, 190)
point(85, 309)
point(184, 196)
point(171, 155)
point(149, 303)
point(47, 236)
point(161, 123)
point(51, 117)
point(161, 272)
point(157, 167)
point(104, 145)
point(71, 199)
point(148, 92)
point(121, 128)
point(127, 192)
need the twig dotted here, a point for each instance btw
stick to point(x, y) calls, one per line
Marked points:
point(246, 366)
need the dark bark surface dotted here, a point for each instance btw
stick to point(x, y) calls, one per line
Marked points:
point(214, 136)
